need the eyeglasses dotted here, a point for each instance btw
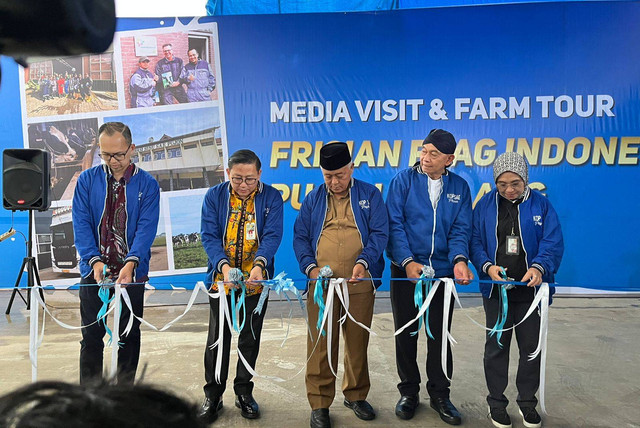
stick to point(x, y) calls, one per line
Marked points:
point(239, 180)
point(117, 156)
point(514, 184)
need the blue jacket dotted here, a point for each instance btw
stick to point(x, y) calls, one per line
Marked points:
point(200, 88)
point(143, 209)
point(142, 88)
point(371, 220)
point(539, 229)
point(215, 216)
point(421, 233)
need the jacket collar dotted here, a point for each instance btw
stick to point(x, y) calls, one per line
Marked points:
point(419, 170)
point(133, 168)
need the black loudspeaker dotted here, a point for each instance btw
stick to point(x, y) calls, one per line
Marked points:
point(26, 179)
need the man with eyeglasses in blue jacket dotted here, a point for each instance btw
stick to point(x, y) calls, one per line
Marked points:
point(241, 228)
point(429, 225)
point(115, 214)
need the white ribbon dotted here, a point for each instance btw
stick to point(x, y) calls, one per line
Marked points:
point(337, 287)
point(34, 343)
point(449, 289)
point(327, 320)
point(223, 313)
point(422, 310)
point(117, 309)
point(343, 296)
point(65, 325)
point(194, 294)
point(543, 298)
point(127, 301)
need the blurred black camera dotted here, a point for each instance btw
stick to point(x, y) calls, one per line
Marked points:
point(55, 27)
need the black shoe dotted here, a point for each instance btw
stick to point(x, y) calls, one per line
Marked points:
point(530, 417)
point(248, 406)
point(499, 417)
point(407, 405)
point(447, 410)
point(362, 409)
point(320, 418)
point(210, 409)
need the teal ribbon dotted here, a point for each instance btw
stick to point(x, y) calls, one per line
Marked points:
point(103, 294)
point(418, 300)
point(318, 298)
point(279, 285)
point(503, 302)
point(235, 276)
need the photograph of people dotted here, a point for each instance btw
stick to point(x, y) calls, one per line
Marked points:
point(82, 84)
point(169, 68)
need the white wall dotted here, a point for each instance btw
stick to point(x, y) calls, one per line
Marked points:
point(159, 8)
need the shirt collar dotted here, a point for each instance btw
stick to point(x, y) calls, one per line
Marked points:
point(131, 170)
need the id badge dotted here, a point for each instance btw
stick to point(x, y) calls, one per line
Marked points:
point(250, 231)
point(513, 247)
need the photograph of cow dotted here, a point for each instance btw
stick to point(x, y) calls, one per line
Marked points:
point(186, 242)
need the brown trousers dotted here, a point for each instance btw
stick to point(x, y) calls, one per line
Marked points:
point(320, 382)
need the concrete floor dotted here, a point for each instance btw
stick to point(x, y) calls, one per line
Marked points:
point(593, 370)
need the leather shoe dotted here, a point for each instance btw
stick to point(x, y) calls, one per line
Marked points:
point(362, 409)
point(210, 409)
point(407, 405)
point(320, 418)
point(248, 406)
point(447, 410)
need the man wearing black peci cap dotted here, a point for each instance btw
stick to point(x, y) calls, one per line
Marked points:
point(343, 224)
point(429, 225)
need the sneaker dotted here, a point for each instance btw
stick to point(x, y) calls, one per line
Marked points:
point(499, 417)
point(530, 417)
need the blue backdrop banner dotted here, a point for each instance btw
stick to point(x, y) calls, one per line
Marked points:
point(555, 82)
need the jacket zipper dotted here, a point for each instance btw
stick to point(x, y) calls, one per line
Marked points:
point(495, 255)
point(434, 207)
point(526, 256)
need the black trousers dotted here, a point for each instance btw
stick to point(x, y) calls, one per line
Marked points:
point(404, 310)
point(248, 344)
point(92, 343)
point(496, 359)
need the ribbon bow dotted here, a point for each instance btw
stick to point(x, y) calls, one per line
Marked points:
point(428, 273)
point(236, 277)
point(325, 272)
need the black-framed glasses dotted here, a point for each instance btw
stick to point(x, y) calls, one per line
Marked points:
point(249, 180)
point(117, 156)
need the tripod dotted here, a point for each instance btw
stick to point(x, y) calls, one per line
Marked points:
point(29, 263)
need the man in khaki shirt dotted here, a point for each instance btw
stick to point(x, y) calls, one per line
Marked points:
point(343, 224)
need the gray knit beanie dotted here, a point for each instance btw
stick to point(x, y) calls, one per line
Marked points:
point(511, 162)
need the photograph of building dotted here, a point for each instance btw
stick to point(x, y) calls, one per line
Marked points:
point(189, 161)
point(182, 149)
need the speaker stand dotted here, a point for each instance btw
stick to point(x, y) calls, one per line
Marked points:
point(28, 263)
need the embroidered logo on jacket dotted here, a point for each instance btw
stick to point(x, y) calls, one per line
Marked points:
point(453, 198)
point(537, 220)
point(364, 204)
